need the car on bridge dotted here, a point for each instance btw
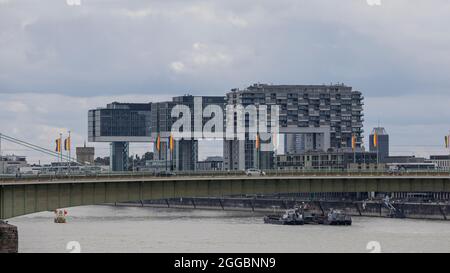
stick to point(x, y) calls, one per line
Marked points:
point(254, 172)
point(164, 173)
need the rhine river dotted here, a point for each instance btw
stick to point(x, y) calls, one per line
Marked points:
point(137, 229)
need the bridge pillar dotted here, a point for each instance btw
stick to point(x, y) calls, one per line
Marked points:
point(9, 239)
point(186, 155)
point(119, 156)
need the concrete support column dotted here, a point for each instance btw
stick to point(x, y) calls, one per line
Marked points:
point(234, 154)
point(119, 156)
point(9, 239)
point(186, 155)
point(290, 143)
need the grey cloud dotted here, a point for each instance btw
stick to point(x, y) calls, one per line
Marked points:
point(416, 124)
point(40, 118)
point(113, 47)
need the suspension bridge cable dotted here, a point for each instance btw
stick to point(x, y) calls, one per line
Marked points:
point(30, 144)
point(37, 148)
point(33, 148)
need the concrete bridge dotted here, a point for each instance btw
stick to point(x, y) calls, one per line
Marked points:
point(26, 196)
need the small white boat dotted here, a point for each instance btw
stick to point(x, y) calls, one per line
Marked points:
point(60, 216)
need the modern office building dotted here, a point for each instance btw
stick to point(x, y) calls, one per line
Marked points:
point(404, 159)
point(185, 153)
point(125, 123)
point(120, 124)
point(211, 163)
point(442, 161)
point(11, 164)
point(312, 118)
point(383, 143)
point(331, 160)
point(409, 163)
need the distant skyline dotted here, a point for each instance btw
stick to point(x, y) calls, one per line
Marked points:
point(57, 61)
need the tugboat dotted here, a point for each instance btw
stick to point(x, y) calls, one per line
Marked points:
point(290, 217)
point(308, 215)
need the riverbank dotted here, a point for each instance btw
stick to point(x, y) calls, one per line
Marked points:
point(431, 211)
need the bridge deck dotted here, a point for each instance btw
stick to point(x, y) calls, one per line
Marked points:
point(29, 196)
point(102, 179)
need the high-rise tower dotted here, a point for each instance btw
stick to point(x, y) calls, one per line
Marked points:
point(379, 142)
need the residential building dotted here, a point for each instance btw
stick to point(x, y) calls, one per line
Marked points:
point(312, 118)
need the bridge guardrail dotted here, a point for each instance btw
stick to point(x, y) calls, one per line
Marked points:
point(212, 174)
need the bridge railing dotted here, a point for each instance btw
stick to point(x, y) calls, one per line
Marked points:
point(212, 174)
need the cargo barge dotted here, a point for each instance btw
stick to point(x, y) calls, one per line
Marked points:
point(301, 215)
point(290, 217)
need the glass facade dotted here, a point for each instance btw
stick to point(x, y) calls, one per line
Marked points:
point(119, 156)
point(120, 121)
point(136, 122)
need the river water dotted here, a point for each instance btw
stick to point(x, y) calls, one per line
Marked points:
point(144, 229)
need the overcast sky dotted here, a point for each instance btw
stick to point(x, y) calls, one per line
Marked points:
point(57, 61)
